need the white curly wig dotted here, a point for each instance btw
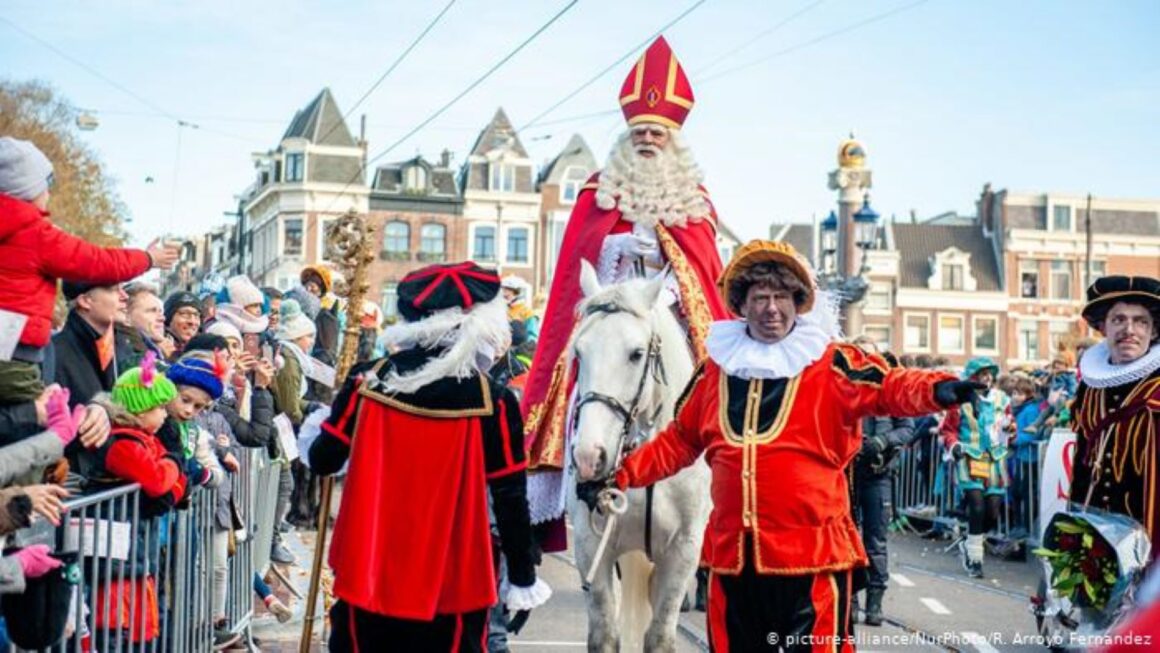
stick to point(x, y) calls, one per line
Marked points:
point(663, 189)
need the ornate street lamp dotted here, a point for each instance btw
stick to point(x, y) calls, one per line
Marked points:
point(865, 227)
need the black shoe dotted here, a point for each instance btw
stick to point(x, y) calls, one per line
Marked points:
point(223, 638)
point(280, 554)
point(874, 607)
point(975, 568)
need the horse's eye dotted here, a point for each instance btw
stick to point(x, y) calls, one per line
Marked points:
point(636, 355)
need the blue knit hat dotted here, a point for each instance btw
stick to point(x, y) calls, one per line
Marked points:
point(198, 372)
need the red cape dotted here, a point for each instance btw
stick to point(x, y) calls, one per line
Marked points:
point(412, 539)
point(692, 253)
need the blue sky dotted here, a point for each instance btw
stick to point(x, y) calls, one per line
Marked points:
point(1031, 95)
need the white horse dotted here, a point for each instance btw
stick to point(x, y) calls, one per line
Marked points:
point(633, 361)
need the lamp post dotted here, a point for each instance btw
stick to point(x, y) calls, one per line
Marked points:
point(848, 234)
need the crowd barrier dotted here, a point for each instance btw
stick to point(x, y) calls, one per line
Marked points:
point(119, 547)
point(925, 492)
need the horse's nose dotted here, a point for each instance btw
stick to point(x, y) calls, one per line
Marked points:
point(590, 462)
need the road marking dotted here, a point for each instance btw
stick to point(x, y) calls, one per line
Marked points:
point(516, 642)
point(902, 581)
point(934, 606)
point(979, 642)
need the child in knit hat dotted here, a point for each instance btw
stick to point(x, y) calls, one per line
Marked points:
point(199, 380)
point(34, 254)
point(134, 453)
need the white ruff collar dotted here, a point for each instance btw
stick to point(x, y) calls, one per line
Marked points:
point(730, 346)
point(1099, 372)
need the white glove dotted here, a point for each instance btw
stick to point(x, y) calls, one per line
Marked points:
point(527, 598)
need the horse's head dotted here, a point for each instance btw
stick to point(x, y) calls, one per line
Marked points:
point(620, 370)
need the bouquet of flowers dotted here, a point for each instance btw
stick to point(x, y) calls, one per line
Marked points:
point(1094, 557)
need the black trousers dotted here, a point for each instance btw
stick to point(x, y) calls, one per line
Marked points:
point(358, 631)
point(873, 511)
point(758, 613)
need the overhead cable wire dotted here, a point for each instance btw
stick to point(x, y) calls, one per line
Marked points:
point(814, 41)
point(764, 33)
point(611, 66)
point(470, 87)
point(395, 64)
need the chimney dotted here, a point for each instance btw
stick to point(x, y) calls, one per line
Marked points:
point(445, 158)
point(913, 216)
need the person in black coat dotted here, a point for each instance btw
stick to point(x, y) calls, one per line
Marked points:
point(882, 438)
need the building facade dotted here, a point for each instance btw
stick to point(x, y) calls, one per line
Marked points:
point(416, 210)
point(313, 176)
point(501, 207)
point(559, 185)
point(1008, 284)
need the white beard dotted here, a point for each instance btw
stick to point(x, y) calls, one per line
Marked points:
point(662, 189)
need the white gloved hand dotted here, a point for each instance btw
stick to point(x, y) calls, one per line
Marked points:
point(639, 246)
point(527, 598)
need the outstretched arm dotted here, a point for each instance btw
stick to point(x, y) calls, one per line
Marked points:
point(676, 447)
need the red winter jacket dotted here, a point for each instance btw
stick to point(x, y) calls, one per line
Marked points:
point(34, 253)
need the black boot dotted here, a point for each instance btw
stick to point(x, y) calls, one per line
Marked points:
point(702, 590)
point(874, 607)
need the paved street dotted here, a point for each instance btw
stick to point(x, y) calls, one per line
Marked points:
point(929, 597)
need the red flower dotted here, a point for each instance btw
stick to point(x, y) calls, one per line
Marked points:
point(1068, 542)
point(1100, 549)
point(1090, 569)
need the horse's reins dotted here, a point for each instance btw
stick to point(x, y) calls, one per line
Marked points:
point(612, 499)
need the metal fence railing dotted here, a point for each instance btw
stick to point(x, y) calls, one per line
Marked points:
point(146, 583)
point(925, 490)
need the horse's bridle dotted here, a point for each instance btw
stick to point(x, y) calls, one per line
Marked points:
point(628, 415)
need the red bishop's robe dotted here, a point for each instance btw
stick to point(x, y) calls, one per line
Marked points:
point(778, 450)
point(691, 251)
point(412, 538)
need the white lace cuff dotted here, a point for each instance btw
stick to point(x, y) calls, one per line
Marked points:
point(607, 265)
point(527, 598)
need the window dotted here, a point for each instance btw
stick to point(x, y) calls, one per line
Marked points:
point(986, 334)
point(917, 333)
point(1061, 279)
point(415, 178)
point(503, 177)
point(952, 276)
point(483, 246)
point(1099, 269)
point(725, 252)
point(1029, 279)
point(517, 245)
point(294, 166)
point(880, 335)
point(1028, 340)
point(391, 300)
point(292, 237)
point(397, 241)
point(432, 243)
point(878, 299)
point(1057, 331)
point(950, 334)
point(1061, 218)
point(570, 185)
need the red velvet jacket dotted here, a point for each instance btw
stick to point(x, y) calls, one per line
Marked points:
point(34, 253)
point(778, 450)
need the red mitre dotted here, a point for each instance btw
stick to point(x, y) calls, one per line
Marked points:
point(657, 89)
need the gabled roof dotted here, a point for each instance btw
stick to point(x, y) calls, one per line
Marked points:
point(575, 153)
point(389, 177)
point(918, 243)
point(321, 123)
point(497, 134)
point(801, 237)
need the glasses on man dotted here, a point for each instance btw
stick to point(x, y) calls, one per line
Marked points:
point(188, 313)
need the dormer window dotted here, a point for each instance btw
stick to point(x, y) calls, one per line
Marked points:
point(952, 276)
point(502, 177)
point(571, 184)
point(415, 179)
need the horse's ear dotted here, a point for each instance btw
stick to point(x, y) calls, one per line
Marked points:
point(589, 283)
point(652, 291)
